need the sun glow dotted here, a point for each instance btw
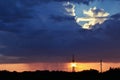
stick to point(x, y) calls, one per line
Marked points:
point(73, 65)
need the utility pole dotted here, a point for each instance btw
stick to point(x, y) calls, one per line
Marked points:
point(73, 63)
point(101, 66)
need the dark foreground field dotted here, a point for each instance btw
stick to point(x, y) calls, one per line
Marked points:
point(112, 74)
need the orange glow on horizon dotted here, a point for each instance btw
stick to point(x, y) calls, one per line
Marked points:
point(96, 66)
point(14, 67)
point(57, 66)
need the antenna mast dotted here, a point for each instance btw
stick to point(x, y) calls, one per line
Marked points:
point(73, 62)
point(101, 66)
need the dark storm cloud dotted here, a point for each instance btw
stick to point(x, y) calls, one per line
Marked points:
point(61, 18)
point(14, 15)
point(78, 1)
point(57, 44)
point(106, 41)
point(37, 32)
point(13, 10)
point(21, 16)
point(9, 59)
point(110, 27)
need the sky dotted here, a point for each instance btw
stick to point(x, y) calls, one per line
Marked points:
point(53, 30)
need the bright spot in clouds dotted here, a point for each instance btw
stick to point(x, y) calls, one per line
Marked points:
point(70, 8)
point(92, 17)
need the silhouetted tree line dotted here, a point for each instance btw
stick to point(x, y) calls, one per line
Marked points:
point(111, 74)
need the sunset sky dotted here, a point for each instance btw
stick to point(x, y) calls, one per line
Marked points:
point(38, 33)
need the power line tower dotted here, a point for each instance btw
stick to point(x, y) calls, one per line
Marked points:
point(73, 63)
point(101, 66)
